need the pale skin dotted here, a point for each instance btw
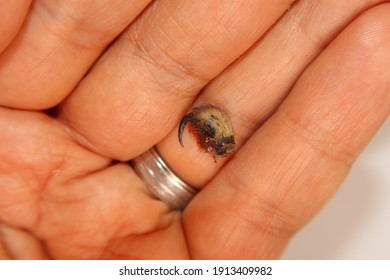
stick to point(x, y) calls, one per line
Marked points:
point(309, 89)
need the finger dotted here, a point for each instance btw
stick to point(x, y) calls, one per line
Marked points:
point(75, 202)
point(254, 86)
point(290, 167)
point(12, 14)
point(33, 150)
point(22, 245)
point(109, 214)
point(56, 46)
point(143, 84)
point(4, 255)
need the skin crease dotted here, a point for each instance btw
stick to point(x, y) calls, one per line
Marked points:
point(309, 90)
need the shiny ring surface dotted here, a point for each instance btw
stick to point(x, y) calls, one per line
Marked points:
point(161, 181)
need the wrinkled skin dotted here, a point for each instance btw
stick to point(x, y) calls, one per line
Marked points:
point(309, 89)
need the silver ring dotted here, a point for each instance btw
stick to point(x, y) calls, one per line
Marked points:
point(161, 181)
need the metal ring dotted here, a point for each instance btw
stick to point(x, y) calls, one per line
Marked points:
point(161, 181)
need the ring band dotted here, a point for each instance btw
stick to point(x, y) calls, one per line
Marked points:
point(161, 181)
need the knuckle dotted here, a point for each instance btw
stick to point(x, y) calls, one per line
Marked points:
point(169, 72)
point(259, 213)
point(323, 138)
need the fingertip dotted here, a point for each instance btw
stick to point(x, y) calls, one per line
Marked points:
point(373, 28)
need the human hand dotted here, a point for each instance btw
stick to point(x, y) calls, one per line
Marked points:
point(305, 96)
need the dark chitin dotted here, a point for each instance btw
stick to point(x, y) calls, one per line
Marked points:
point(212, 129)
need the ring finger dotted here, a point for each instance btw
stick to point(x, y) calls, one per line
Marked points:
point(252, 88)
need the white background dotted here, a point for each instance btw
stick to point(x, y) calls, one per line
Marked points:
point(355, 224)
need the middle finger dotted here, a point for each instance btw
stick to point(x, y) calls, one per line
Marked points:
point(139, 89)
